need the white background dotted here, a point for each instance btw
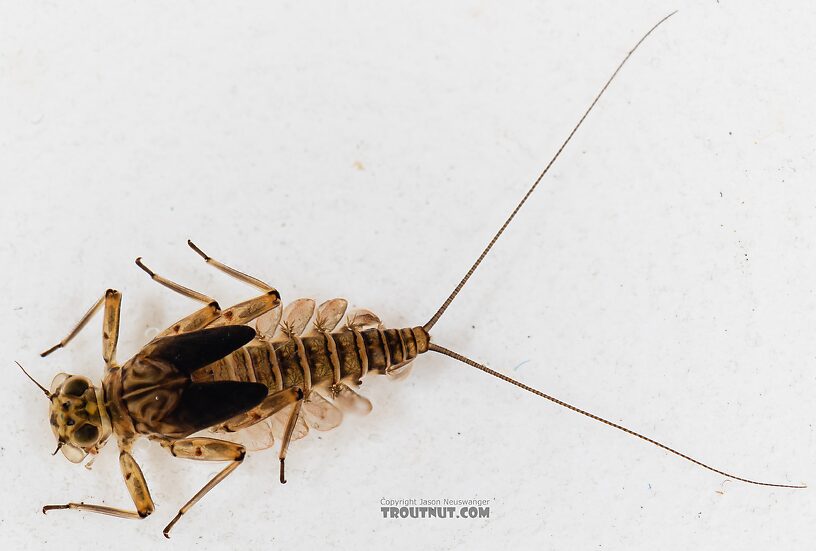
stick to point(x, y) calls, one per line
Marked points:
point(662, 276)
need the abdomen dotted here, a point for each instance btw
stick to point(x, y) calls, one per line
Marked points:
point(319, 359)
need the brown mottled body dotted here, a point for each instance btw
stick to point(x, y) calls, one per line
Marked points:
point(321, 359)
point(211, 370)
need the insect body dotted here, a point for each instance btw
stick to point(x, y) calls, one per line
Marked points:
point(248, 386)
point(212, 371)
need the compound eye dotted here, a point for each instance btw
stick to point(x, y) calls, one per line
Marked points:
point(85, 435)
point(75, 386)
point(73, 454)
point(58, 380)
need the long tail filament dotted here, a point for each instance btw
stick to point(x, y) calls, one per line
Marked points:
point(472, 269)
point(468, 361)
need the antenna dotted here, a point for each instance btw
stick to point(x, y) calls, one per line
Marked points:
point(48, 394)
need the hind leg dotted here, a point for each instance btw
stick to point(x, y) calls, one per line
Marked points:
point(246, 311)
point(272, 404)
point(287, 437)
point(241, 276)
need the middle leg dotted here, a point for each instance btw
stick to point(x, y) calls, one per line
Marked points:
point(195, 321)
point(204, 449)
point(212, 315)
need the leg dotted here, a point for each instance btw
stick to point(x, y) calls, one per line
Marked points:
point(136, 485)
point(173, 286)
point(255, 282)
point(287, 436)
point(110, 326)
point(204, 449)
point(246, 311)
point(195, 321)
point(211, 315)
point(270, 406)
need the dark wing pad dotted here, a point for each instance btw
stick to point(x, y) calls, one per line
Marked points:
point(203, 405)
point(190, 351)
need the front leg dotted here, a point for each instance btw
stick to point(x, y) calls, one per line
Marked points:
point(136, 485)
point(204, 449)
point(110, 326)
